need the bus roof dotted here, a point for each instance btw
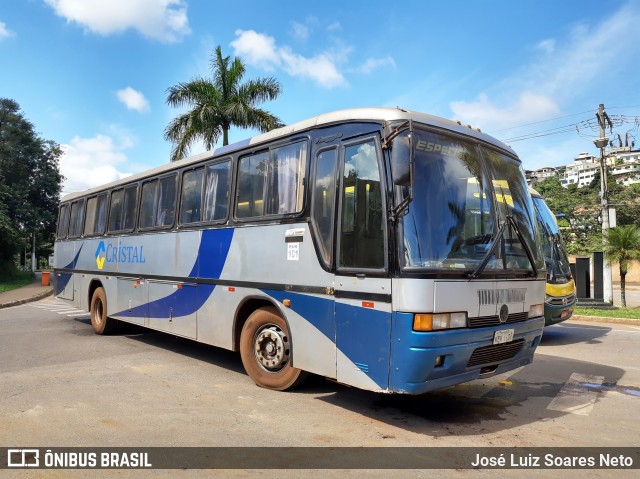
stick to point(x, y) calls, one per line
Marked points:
point(373, 114)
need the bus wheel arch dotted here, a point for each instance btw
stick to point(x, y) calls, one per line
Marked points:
point(265, 349)
point(100, 321)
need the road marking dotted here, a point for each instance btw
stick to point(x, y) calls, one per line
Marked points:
point(61, 308)
point(576, 397)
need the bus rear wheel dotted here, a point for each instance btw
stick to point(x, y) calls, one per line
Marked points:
point(265, 349)
point(101, 323)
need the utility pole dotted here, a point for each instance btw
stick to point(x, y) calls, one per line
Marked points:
point(607, 278)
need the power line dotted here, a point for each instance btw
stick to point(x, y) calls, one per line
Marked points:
point(542, 121)
point(616, 121)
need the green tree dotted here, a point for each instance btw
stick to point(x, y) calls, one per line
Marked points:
point(622, 244)
point(217, 104)
point(30, 183)
point(580, 227)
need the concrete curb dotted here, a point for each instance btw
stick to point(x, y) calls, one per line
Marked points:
point(602, 319)
point(36, 297)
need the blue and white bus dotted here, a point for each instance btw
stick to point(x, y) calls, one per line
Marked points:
point(386, 249)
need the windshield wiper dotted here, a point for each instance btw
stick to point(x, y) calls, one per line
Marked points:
point(497, 239)
point(525, 245)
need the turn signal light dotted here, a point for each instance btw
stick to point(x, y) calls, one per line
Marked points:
point(439, 321)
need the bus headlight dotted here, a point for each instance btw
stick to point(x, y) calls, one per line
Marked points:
point(439, 321)
point(536, 310)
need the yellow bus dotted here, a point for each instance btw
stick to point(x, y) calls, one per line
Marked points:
point(560, 299)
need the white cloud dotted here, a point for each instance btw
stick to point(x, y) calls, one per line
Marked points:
point(134, 100)
point(163, 20)
point(4, 31)
point(90, 162)
point(483, 113)
point(256, 49)
point(261, 51)
point(548, 45)
point(374, 63)
point(300, 31)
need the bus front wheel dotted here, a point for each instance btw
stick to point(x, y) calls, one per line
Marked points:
point(100, 322)
point(265, 349)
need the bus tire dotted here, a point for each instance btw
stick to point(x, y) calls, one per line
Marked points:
point(101, 323)
point(265, 349)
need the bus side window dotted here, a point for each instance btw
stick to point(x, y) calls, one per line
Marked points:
point(166, 201)
point(285, 179)
point(96, 217)
point(76, 221)
point(324, 193)
point(216, 194)
point(190, 207)
point(251, 178)
point(148, 204)
point(129, 207)
point(362, 233)
point(115, 215)
point(63, 221)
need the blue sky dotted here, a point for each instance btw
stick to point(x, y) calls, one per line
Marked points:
point(92, 75)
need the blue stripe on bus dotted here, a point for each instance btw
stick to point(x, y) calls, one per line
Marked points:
point(212, 255)
point(317, 311)
point(62, 280)
point(361, 334)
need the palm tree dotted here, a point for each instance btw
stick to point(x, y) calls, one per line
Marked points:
point(217, 104)
point(622, 244)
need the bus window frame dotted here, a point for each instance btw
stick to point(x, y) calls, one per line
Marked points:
point(383, 193)
point(106, 194)
point(82, 201)
point(336, 188)
point(177, 176)
point(230, 183)
point(304, 184)
point(179, 211)
point(123, 188)
point(67, 207)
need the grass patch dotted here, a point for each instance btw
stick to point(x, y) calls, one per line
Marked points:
point(630, 313)
point(15, 280)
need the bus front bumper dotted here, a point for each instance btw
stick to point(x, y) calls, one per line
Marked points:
point(425, 361)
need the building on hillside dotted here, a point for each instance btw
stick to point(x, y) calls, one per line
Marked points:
point(536, 176)
point(584, 169)
point(626, 169)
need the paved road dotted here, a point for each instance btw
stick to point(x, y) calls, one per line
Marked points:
point(61, 385)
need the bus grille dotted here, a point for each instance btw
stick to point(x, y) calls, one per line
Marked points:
point(563, 301)
point(482, 321)
point(495, 353)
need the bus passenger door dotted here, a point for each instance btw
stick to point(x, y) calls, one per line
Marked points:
point(362, 286)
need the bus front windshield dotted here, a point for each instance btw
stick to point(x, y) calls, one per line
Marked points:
point(466, 197)
point(555, 256)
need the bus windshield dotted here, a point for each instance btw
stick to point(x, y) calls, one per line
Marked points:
point(465, 198)
point(555, 257)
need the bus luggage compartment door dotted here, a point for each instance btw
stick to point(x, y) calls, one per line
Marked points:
point(170, 307)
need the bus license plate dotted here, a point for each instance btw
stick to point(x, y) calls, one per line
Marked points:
point(503, 336)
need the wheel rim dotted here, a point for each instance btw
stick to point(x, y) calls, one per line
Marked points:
point(97, 311)
point(271, 348)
